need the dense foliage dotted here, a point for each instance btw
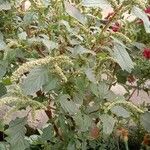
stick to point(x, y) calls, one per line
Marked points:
point(64, 57)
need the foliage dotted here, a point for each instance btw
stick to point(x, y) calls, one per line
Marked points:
point(67, 54)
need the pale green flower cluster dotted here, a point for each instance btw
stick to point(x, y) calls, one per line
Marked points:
point(114, 3)
point(58, 70)
point(121, 36)
point(17, 97)
point(125, 104)
point(55, 61)
point(140, 3)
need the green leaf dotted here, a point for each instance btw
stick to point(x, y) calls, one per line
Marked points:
point(103, 4)
point(68, 106)
point(45, 3)
point(50, 45)
point(143, 16)
point(71, 145)
point(122, 57)
point(2, 43)
point(4, 146)
point(81, 50)
point(75, 13)
point(83, 122)
point(3, 89)
point(29, 18)
point(90, 75)
point(3, 68)
point(47, 133)
point(120, 111)
point(52, 83)
point(1, 36)
point(35, 80)
point(16, 134)
point(22, 36)
point(5, 5)
point(71, 30)
point(94, 89)
point(102, 91)
point(2, 125)
point(108, 123)
point(145, 121)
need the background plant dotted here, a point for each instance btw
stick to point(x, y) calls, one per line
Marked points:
point(64, 57)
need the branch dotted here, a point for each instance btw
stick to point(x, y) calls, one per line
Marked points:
point(111, 19)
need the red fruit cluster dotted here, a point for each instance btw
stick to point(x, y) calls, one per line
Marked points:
point(116, 26)
point(131, 78)
point(95, 132)
point(146, 53)
point(147, 11)
point(123, 134)
point(146, 140)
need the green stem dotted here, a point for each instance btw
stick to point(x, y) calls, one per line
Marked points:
point(126, 145)
point(111, 19)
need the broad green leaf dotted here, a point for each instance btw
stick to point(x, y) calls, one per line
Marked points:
point(120, 112)
point(71, 145)
point(51, 84)
point(3, 68)
point(3, 89)
point(2, 45)
point(102, 91)
point(46, 3)
point(75, 13)
point(33, 138)
point(2, 125)
point(94, 89)
point(1, 36)
point(122, 57)
point(16, 134)
point(35, 80)
point(103, 4)
point(145, 121)
point(83, 122)
point(4, 146)
point(22, 36)
point(90, 75)
point(29, 18)
point(78, 98)
point(108, 123)
point(81, 50)
point(50, 45)
point(68, 106)
point(47, 133)
point(72, 31)
point(143, 16)
point(4, 5)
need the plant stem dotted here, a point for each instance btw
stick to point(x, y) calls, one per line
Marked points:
point(126, 145)
point(131, 94)
point(111, 19)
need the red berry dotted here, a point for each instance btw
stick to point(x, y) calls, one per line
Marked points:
point(147, 10)
point(95, 132)
point(146, 53)
point(131, 79)
point(116, 27)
